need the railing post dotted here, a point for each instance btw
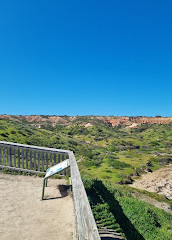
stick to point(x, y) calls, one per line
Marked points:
point(0, 156)
point(42, 161)
point(18, 157)
point(4, 155)
point(38, 160)
point(35, 160)
point(8, 156)
point(30, 159)
point(46, 160)
point(50, 159)
point(22, 158)
point(14, 152)
point(59, 158)
point(54, 159)
point(26, 158)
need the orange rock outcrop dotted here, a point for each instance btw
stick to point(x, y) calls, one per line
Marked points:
point(113, 121)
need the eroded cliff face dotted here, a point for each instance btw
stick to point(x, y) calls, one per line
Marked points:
point(117, 121)
point(35, 118)
point(160, 120)
point(51, 119)
point(131, 120)
point(112, 120)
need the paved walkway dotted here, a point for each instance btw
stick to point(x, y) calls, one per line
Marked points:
point(23, 216)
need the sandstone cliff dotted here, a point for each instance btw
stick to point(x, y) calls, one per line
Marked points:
point(68, 120)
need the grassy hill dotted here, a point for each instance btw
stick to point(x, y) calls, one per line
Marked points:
point(109, 155)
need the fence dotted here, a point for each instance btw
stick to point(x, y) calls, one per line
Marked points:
point(36, 159)
point(28, 158)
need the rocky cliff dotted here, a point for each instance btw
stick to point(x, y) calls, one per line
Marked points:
point(68, 120)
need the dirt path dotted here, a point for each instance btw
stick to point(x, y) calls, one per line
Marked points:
point(23, 216)
point(159, 181)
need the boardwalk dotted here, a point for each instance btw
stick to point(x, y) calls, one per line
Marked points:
point(24, 216)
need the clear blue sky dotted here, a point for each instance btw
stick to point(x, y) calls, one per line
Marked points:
point(111, 57)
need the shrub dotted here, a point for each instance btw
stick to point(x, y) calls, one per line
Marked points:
point(113, 162)
point(4, 134)
point(13, 132)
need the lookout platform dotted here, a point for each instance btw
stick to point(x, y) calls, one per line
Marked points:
point(26, 204)
point(24, 216)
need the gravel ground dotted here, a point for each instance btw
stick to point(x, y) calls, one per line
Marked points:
point(23, 216)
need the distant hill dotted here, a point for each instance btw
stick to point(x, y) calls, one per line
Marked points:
point(131, 122)
point(113, 147)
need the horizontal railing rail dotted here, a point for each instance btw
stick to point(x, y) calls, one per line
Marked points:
point(36, 159)
point(86, 225)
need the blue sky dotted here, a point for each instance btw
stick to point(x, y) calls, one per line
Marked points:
point(110, 57)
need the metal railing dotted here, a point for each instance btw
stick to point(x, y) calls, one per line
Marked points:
point(28, 158)
point(36, 159)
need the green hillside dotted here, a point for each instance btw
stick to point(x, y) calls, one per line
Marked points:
point(109, 155)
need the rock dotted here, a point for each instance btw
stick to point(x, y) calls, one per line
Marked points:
point(149, 164)
point(149, 170)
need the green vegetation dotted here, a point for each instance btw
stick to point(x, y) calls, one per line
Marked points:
point(109, 155)
point(115, 208)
